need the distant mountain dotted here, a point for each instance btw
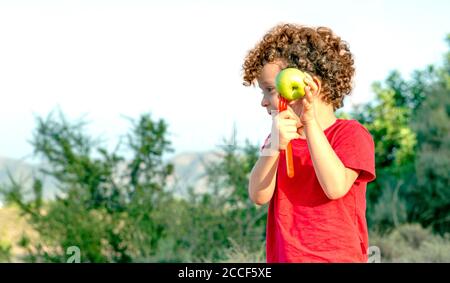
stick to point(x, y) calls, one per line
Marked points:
point(189, 171)
point(23, 172)
point(14, 166)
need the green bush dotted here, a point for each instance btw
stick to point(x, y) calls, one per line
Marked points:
point(5, 251)
point(107, 206)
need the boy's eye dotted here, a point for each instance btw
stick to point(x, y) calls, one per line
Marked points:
point(270, 90)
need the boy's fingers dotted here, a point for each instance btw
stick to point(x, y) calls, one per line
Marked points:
point(286, 124)
point(306, 104)
point(292, 122)
point(309, 95)
point(286, 113)
point(291, 130)
point(289, 123)
point(292, 114)
point(311, 83)
point(307, 92)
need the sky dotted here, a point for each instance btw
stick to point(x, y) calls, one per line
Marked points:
point(181, 61)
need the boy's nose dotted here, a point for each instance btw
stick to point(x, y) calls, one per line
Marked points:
point(265, 102)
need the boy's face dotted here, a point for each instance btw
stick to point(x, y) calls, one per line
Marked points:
point(266, 82)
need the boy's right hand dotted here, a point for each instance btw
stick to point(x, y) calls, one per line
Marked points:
point(286, 123)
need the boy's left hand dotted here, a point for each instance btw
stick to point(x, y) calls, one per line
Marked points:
point(308, 113)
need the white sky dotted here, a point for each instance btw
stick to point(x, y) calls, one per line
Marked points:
point(181, 60)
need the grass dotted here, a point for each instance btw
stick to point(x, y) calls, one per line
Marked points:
point(13, 227)
point(406, 243)
point(412, 243)
point(240, 254)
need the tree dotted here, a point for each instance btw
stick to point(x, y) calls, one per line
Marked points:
point(394, 150)
point(211, 222)
point(409, 123)
point(230, 177)
point(107, 206)
point(431, 196)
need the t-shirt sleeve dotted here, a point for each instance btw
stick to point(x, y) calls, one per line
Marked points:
point(355, 148)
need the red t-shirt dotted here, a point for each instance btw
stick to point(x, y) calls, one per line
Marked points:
point(303, 224)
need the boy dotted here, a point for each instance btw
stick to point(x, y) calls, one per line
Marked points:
point(319, 214)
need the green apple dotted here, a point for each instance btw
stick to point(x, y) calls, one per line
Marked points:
point(290, 83)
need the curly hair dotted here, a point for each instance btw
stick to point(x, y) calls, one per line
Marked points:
point(317, 51)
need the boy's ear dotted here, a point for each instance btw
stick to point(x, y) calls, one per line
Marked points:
point(318, 82)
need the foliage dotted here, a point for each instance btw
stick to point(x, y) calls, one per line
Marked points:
point(409, 122)
point(5, 251)
point(431, 194)
point(106, 204)
point(209, 226)
point(118, 210)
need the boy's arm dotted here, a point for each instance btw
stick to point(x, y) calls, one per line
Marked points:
point(334, 178)
point(263, 176)
point(262, 179)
